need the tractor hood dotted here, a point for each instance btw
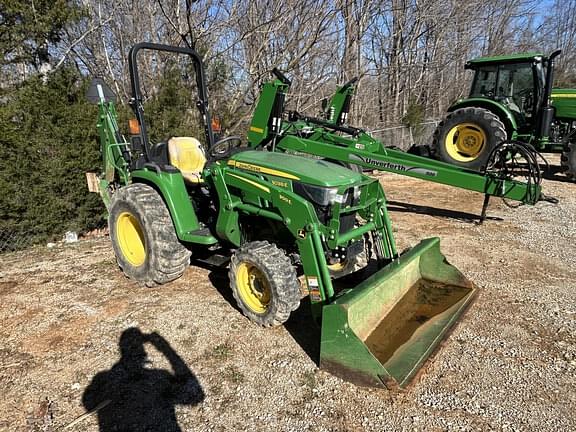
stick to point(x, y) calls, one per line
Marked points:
point(564, 100)
point(297, 168)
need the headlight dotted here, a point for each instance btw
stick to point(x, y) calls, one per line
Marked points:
point(319, 195)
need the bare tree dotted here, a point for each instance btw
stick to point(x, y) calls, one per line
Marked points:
point(409, 54)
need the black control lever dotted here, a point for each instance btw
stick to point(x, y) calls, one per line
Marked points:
point(281, 76)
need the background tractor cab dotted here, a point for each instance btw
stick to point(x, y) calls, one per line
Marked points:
point(518, 86)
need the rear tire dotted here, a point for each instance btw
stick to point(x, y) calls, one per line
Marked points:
point(143, 237)
point(467, 136)
point(264, 283)
point(568, 161)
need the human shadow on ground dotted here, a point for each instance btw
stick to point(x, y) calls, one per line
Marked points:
point(400, 207)
point(131, 397)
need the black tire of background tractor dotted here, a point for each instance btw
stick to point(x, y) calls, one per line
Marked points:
point(165, 257)
point(490, 124)
point(568, 161)
point(350, 265)
point(420, 150)
point(280, 275)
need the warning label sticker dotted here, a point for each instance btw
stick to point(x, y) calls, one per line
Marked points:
point(312, 281)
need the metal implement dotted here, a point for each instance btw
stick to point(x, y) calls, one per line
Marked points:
point(380, 333)
point(330, 139)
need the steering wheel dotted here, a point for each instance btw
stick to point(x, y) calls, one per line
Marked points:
point(489, 94)
point(528, 96)
point(223, 148)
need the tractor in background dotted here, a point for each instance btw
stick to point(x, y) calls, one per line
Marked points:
point(511, 98)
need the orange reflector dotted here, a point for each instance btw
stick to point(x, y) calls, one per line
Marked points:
point(134, 126)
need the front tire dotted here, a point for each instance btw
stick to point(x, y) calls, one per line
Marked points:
point(264, 283)
point(143, 237)
point(467, 136)
point(349, 264)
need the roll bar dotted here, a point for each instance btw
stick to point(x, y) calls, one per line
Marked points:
point(136, 101)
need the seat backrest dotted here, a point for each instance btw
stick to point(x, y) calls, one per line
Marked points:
point(187, 154)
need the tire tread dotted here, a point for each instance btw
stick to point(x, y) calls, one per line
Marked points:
point(167, 257)
point(464, 115)
point(282, 278)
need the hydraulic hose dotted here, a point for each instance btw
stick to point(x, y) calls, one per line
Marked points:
point(513, 158)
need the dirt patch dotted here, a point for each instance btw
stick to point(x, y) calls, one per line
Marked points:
point(7, 287)
point(61, 336)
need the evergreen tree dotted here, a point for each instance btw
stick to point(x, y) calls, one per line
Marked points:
point(48, 143)
point(172, 111)
point(29, 28)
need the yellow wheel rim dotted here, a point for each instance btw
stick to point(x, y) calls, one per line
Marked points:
point(465, 142)
point(253, 287)
point(336, 267)
point(131, 239)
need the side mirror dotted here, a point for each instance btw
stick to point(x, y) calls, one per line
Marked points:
point(99, 91)
point(324, 104)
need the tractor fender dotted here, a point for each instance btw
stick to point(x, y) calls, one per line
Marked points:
point(503, 113)
point(171, 187)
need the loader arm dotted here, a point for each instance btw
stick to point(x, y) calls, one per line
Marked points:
point(332, 140)
point(339, 106)
point(343, 149)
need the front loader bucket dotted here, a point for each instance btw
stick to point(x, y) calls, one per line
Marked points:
point(379, 333)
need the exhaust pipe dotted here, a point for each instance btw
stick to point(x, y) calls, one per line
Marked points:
point(547, 111)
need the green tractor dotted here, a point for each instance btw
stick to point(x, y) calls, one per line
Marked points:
point(511, 98)
point(276, 219)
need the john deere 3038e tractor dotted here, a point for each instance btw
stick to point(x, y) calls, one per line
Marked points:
point(276, 217)
point(511, 98)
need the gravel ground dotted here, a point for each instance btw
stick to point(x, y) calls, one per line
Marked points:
point(508, 365)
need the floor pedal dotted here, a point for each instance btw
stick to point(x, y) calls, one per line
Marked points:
point(216, 260)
